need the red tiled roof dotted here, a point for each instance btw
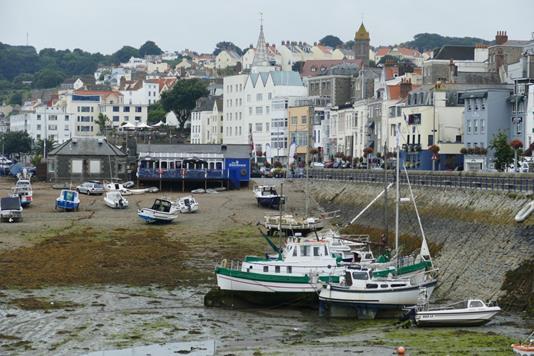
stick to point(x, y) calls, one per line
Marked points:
point(409, 52)
point(97, 92)
point(382, 51)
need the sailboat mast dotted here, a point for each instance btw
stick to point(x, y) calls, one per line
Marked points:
point(397, 194)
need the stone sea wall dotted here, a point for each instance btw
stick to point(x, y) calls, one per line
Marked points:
point(480, 241)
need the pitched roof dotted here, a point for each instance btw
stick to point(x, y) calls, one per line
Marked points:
point(458, 53)
point(103, 93)
point(361, 34)
point(279, 78)
point(382, 51)
point(313, 68)
point(86, 146)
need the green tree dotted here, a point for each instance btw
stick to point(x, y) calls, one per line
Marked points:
point(39, 146)
point(149, 48)
point(331, 41)
point(102, 122)
point(429, 41)
point(16, 142)
point(504, 153)
point(228, 46)
point(48, 78)
point(156, 112)
point(124, 54)
point(17, 98)
point(181, 99)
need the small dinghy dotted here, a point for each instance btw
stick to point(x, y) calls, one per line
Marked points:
point(187, 205)
point(68, 200)
point(524, 213)
point(525, 348)
point(472, 312)
point(115, 200)
point(162, 211)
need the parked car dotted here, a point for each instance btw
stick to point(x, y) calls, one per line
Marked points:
point(90, 187)
point(317, 165)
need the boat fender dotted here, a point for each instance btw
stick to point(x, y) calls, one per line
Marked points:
point(329, 266)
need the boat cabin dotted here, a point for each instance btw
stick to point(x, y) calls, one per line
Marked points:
point(362, 277)
point(162, 205)
point(265, 190)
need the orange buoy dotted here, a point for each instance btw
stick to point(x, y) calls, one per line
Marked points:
point(401, 350)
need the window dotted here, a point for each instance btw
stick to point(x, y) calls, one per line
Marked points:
point(138, 118)
point(138, 109)
point(371, 285)
point(66, 117)
point(276, 269)
point(84, 109)
point(476, 304)
point(270, 96)
point(115, 118)
point(52, 118)
point(294, 120)
point(52, 127)
point(303, 119)
point(126, 118)
point(248, 98)
point(76, 166)
point(265, 268)
point(288, 269)
point(38, 127)
point(482, 125)
point(259, 110)
point(304, 250)
point(250, 110)
point(267, 127)
point(259, 127)
point(259, 97)
point(67, 128)
point(316, 250)
point(115, 109)
point(469, 126)
point(126, 109)
point(94, 166)
point(267, 109)
point(475, 126)
point(294, 251)
point(38, 117)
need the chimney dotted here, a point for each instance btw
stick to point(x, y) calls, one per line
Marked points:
point(283, 43)
point(405, 88)
point(453, 71)
point(501, 37)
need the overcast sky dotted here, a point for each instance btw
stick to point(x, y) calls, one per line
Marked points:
point(106, 25)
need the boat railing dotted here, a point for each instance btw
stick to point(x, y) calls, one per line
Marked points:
point(231, 264)
point(361, 238)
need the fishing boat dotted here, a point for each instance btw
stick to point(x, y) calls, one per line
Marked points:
point(295, 271)
point(115, 200)
point(526, 347)
point(10, 209)
point(290, 224)
point(367, 294)
point(23, 190)
point(115, 186)
point(351, 248)
point(267, 197)
point(68, 200)
point(471, 312)
point(162, 211)
point(187, 205)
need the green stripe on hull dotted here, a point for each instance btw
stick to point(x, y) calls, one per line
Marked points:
point(271, 277)
point(404, 270)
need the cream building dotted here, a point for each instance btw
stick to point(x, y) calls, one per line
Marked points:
point(227, 59)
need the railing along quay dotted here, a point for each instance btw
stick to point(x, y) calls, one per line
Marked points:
point(519, 182)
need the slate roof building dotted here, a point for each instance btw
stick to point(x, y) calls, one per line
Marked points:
point(84, 158)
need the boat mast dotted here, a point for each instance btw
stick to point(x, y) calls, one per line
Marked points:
point(397, 195)
point(306, 159)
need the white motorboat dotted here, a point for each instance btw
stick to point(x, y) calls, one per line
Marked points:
point(368, 294)
point(115, 200)
point(187, 204)
point(290, 224)
point(114, 186)
point(267, 197)
point(162, 211)
point(23, 190)
point(467, 313)
point(10, 209)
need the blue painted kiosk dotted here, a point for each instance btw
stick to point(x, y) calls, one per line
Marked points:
point(207, 164)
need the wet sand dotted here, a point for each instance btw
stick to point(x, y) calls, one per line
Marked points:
point(101, 279)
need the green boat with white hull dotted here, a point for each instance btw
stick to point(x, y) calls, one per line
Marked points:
point(299, 268)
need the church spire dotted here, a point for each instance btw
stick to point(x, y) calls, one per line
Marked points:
point(261, 58)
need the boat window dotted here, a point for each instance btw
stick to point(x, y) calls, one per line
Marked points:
point(368, 256)
point(398, 285)
point(277, 269)
point(294, 251)
point(325, 250)
point(265, 268)
point(348, 279)
point(476, 304)
point(371, 285)
point(383, 286)
point(362, 276)
point(288, 269)
point(304, 250)
point(316, 250)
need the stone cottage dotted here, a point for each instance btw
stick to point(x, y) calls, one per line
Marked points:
point(86, 158)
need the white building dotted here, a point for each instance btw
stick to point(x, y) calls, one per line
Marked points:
point(248, 99)
point(51, 122)
point(140, 92)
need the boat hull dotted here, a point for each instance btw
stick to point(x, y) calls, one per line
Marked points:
point(444, 318)
point(269, 202)
point(115, 205)
point(236, 284)
point(241, 299)
point(155, 217)
point(379, 299)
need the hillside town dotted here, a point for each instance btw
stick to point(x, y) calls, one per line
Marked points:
point(294, 198)
point(447, 104)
